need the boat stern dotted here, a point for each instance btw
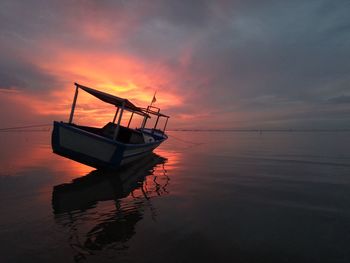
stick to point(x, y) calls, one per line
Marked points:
point(85, 147)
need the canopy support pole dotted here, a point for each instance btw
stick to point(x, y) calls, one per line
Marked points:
point(132, 114)
point(155, 125)
point(144, 122)
point(73, 104)
point(145, 119)
point(166, 122)
point(119, 120)
point(115, 115)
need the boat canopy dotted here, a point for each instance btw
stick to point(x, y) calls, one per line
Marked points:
point(114, 100)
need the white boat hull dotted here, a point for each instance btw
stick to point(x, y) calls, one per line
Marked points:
point(95, 150)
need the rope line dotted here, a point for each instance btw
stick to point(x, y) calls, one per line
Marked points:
point(24, 127)
point(185, 141)
point(30, 130)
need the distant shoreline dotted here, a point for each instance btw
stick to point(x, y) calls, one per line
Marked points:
point(260, 130)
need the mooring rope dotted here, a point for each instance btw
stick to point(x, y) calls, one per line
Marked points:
point(24, 127)
point(184, 141)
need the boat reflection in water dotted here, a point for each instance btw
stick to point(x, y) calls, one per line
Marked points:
point(94, 225)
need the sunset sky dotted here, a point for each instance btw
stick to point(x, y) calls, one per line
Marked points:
point(214, 64)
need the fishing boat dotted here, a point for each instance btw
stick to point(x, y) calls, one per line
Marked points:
point(112, 145)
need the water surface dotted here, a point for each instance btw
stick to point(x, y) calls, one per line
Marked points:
point(202, 197)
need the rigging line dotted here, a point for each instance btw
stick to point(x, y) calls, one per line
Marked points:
point(25, 130)
point(24, 127)
point(185, 141)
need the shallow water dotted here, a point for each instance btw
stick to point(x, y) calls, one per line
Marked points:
point(202, 197)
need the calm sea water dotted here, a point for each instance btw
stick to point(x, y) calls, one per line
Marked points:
point(202, 197)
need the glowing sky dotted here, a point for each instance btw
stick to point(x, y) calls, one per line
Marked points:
point(214, 64)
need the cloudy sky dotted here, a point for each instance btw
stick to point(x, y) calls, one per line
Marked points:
point(214, 64)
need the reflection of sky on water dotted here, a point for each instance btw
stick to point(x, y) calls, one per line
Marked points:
point(25, 151)
point(126, 195)
point(219, 197)
point(100, 210)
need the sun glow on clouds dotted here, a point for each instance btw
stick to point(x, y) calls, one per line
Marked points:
point(118, 74)
point(218, 63)
point(92, 49)
point(114, 73)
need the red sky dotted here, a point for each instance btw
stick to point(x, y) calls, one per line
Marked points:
point(214, 64)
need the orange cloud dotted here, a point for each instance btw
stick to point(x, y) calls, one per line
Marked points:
point(114, 73)
point(117, 74)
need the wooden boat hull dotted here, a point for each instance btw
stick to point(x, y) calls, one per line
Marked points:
point(95, 150)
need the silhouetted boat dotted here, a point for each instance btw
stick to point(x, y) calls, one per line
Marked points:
point(113, 145)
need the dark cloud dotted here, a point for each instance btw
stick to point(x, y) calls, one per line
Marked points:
point(227, 56)
point(340, 99)
point(20, 74)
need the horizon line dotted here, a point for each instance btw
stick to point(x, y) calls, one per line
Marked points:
point(263, 130)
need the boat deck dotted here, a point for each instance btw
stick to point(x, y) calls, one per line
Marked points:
point(125, 135)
